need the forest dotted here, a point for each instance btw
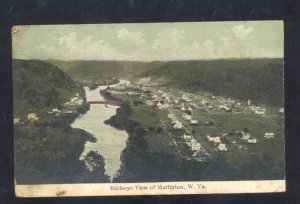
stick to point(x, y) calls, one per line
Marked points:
point(47, 150)
point(260, 80)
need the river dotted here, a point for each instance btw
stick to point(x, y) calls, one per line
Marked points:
point(110, 141)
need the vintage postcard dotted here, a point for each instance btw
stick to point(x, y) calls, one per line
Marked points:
point(149, 108)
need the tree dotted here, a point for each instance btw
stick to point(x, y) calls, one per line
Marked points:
point(246, 130)
point(188, 112)
point(159, 130)
point(94, 160)
point(52, 98)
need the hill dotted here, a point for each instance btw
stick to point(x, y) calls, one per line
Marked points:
point(40, 86)
point(47, 149)
point(100, 72)
point(260, 80)
point(103, 72)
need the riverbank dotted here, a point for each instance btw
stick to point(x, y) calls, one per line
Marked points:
point(110, 141)
point(47, 150)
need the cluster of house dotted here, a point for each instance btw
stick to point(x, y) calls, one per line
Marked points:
point(56, 111)
point(176, 123)
point(234, 102)
point(246, 136)
point(225, 108)
point(189, 118)
point(75, 100)
point(30, 116)
point(126, 89)
point(186, 105)
point(217, 143)
point(185, 98)
point(258, 110)
point(225, 105)
point(162, 100)
point(191, 142)
point(158, 104)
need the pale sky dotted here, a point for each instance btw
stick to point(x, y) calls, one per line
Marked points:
point(150, 41)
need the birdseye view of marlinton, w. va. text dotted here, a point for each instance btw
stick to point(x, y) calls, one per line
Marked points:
point(152, 103)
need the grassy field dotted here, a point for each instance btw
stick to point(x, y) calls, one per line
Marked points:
point(158, 142)
point(241, 158)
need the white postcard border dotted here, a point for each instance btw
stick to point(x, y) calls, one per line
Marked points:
point(155, 188)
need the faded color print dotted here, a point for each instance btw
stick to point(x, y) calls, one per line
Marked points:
point(150, 108)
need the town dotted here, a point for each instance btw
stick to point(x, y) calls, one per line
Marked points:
point(193, 122)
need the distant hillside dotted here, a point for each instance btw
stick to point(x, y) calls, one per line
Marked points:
point(97, 70)
point(39, 85)
point(260, 80)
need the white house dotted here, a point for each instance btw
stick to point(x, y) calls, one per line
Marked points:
point(178, 125)
point(223, 107)
point(174, 120)
point(32, 116)
point(269, 135)
point(149, 103)
point(194, 122)
point(196, 146)
point(281, 110)
point(222, 147)
point(75, 101)
point(164, 95)
point(187, 117)
point(165, 105)
point(252, 141)
point(245, 136)
point(170, 115)
point(159, 105)
point(217, 141)
point(204, 102)
point(210, 138)
point(187, 136)
point(16, 120)
point(249, 102)
point(55, 110)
